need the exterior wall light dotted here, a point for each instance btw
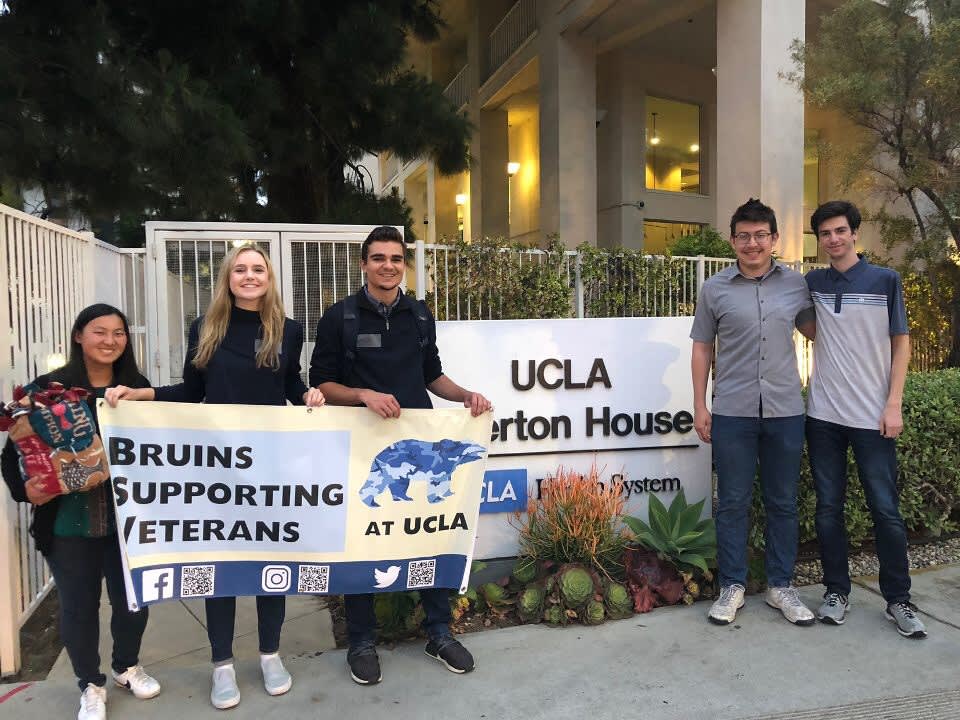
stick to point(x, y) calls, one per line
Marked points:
point(513, 168)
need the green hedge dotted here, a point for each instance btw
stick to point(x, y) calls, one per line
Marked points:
point(929, 455)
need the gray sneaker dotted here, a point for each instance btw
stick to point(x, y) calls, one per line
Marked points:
point(833, 609)
point(724, 608)
point(787, 601)
point(904, 614)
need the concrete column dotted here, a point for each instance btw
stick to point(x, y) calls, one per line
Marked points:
point(760, 115)
point(488, 145)
point(489, 192)
point(568, 134)
point(431, 234)
point(620, 181)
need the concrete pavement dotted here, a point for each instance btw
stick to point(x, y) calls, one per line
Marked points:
point(667, 665)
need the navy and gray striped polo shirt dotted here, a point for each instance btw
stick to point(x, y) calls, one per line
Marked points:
point(857, 313)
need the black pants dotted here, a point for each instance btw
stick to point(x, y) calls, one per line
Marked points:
point(362, 620)
point(79, 567)
point(221, 613)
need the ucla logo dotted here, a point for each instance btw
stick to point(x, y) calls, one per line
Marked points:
point(405, 461)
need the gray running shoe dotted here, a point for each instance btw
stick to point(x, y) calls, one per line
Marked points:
point(833, 609)
point(904, 615)
point(724, 608)
point(787, 601)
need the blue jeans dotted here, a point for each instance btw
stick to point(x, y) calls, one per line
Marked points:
point(876, 458)
point(739, 443)
point(362, 620)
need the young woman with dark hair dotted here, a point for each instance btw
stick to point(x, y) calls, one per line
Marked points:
point(243, 351)
point(77, 533)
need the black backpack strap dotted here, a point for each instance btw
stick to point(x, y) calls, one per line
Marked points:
point(351, 329)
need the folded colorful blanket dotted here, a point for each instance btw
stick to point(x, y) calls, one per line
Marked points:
point(54, 432)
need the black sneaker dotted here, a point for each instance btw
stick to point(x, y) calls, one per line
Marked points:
point(364, 663)
point(451, 653)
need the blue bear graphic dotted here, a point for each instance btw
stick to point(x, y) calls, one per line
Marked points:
point(431, 462)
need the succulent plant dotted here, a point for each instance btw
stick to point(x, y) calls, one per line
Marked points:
point(494, 594)
point(677, 534)
point(618, 601)
point(524, 570)
point(594, 613)
point(530, 603)
point(555, 615)
point(576, 586)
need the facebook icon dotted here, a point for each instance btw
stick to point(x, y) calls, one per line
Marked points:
point(157, 584)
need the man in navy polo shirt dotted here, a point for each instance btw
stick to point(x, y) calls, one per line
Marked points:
point(860, 360)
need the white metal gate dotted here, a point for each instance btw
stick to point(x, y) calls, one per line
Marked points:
point(316, 266)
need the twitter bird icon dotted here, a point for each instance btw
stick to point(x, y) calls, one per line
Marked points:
point(386, 578)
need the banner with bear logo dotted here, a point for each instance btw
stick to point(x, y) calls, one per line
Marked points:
point(226, 500)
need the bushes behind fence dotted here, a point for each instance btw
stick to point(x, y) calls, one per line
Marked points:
point(929, 455)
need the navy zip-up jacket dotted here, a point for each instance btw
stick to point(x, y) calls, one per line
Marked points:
point(390, 359)
point(232, 376)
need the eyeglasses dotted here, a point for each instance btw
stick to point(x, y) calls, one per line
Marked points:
point(743, 238)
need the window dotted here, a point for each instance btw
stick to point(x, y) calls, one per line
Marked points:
point(673, 146)
point(658, 235)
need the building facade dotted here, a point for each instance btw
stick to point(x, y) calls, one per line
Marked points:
point(621, 123)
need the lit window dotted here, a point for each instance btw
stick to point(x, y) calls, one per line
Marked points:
point(673, 145)
point(658, 235)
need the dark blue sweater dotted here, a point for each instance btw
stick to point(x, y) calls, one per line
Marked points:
point(232, 375)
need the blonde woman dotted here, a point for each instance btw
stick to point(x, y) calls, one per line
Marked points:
point(245, 351)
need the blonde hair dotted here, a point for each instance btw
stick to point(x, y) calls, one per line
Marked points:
point(217, 318)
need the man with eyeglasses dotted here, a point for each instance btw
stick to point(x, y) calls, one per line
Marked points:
point(860, 357)
point(750, 310)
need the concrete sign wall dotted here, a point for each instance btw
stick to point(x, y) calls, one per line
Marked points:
point(612, 391)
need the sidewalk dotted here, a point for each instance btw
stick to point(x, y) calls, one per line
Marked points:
point(670, 664)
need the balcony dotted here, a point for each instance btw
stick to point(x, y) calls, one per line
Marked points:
point(458, 91)
point(517, 25)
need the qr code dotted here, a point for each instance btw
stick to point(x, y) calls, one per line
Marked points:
point(196, 580)
point(313, 579)
point(421, 573)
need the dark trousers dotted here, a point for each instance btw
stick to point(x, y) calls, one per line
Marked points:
point(740, 444)
point(362, 620)
point(876, 458)
point(79, 567)
point(221, 614)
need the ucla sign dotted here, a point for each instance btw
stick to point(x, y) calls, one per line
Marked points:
point(614, 392)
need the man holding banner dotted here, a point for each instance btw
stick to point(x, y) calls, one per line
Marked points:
point(378, 349)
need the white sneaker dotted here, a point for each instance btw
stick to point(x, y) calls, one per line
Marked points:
point(724, 608)
point(786, 600)
point(276, 679)
point(136, 680)
point(225, 693)
point(93, 703)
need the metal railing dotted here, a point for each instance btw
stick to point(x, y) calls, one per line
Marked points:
point(510, 33)
point(48, 273)
point(458, 90)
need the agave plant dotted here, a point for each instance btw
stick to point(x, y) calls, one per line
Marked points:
point(677, 533)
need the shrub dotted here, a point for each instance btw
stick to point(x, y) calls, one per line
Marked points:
point(929, 458)
point(575, 521)
point(706, 242)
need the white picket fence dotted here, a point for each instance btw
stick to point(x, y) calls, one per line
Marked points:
point(47, 275)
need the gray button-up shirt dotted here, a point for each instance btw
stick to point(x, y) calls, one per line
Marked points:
point(752, 321)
